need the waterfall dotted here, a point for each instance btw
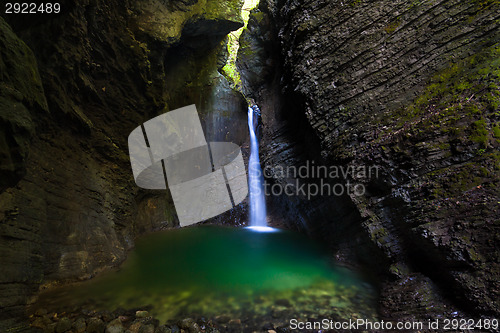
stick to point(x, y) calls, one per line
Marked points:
point(255, 176)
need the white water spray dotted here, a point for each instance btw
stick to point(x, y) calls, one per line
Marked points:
point(255, 176)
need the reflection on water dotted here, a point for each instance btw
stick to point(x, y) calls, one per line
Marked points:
point(213, 270)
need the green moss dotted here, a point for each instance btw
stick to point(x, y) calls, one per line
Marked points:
point(483, 172)
point(393, 25)
point(495, 157)
point(415, 3)
point(450, 183)
point(474, 255)
point(246, 49)
point(399, 269)
point(461, 101)
point(231, 73)
point(258, 16)
point(230, 70)
point(496, 131)
point(486, 3)
point(379, 235)
point(480, 133)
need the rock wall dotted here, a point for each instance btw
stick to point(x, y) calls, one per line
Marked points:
point(69, 206)
point(411, 88)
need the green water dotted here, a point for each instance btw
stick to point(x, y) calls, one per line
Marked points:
point(208, 271)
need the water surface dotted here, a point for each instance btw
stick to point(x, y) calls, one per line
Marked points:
point(208, 271)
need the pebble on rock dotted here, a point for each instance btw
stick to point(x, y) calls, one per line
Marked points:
point(141, 314)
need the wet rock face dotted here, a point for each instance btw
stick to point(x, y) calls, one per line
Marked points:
point(69, 206)
point(256, 56)
point(21, 92)
point(357, 55)
point(411, 88)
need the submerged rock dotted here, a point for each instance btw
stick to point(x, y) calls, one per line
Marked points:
point(79, 326)
point(63, 325)
point(95, 325)
point(190, 325)
point(141, 314)
point(163, 329)
point(115, 326)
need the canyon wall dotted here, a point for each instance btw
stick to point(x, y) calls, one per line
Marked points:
point(410, 88)
point(73, 86)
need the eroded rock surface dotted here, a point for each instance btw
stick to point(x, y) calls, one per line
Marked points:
point(69, 206)
point(411, 88)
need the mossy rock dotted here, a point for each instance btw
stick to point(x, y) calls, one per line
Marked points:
point(203, 17)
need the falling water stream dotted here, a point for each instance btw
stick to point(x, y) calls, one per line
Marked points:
point(255, 176)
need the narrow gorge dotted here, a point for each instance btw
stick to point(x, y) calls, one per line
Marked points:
point(379, 142)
